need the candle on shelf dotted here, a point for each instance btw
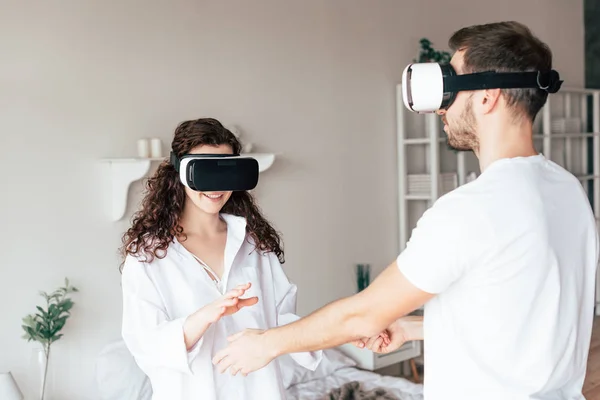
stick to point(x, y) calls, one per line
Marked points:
point(155, 148)
point(248, 148)
point(143, 148)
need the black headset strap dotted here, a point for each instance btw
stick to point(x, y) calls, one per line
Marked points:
point(548, 81)
point(176, 161)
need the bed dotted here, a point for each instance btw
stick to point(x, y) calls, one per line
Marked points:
point(336, 378)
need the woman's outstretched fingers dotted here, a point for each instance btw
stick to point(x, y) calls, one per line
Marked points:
point(244, 286)
point(247, 302)
point(238, 291)
point(234, 293)
point(229, 302)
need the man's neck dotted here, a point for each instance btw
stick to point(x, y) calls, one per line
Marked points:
point(198, 223)
point(504, 139)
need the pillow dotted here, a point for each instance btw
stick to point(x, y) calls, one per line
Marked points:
point(118, 376)
point(293, 373)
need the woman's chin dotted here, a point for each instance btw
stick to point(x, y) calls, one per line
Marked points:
point(211, 208)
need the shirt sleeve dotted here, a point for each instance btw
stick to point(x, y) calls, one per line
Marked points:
point(151, 337)
point(286, 295)
point(442, 246)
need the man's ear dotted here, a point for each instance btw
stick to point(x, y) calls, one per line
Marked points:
point(490, 98)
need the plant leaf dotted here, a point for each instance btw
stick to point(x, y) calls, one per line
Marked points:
point(42, 311)
point(30, 331)
point(57, 337)
point(29, 320)
point(58, 325)
point(66, 305)
point(45, 325)
point(54, 310)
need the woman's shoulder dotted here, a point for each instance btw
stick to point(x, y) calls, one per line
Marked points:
point(149, 256)
point(136, 262)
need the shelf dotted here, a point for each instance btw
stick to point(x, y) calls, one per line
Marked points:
point(418, 197)
point(265, 160)
point(122, 172)
point(422, 140)
point(562, 135)
point(587, 177)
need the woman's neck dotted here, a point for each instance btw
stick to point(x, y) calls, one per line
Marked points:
point(198, 223)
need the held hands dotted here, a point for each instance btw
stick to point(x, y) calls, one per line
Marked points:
point(229, 304)
point(377, 343)
point(399, 332)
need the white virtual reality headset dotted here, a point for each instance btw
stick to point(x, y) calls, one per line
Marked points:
point(429, 87)
point(216, 172)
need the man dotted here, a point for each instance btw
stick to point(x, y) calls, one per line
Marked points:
point(505, 265)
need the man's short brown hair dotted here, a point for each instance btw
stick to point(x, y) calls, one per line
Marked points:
point(505, 47)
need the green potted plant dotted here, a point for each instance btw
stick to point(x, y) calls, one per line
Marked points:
point(45, 325)
point(428, 54)
point(363, 276)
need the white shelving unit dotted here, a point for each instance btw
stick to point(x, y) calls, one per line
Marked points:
point(122, 172)
point(567, 131)
point(428, 186)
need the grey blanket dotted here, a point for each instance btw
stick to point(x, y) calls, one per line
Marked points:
point(354, 391)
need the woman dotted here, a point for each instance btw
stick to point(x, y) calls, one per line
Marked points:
point(199, 267)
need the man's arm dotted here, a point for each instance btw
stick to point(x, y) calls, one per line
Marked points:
point(389, 297)
point(365, 314)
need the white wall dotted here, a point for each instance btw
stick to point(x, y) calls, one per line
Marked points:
point(313, 81)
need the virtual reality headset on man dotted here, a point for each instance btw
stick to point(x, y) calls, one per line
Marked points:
point(429, 87)
point(426, 88)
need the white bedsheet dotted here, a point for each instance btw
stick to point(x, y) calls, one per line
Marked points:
point(315, 389)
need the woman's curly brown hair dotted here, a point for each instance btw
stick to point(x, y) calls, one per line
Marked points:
point(156, 224)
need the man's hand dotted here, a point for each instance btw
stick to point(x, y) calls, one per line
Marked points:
point(399, 332)
point(374, 342)
point(246, 353)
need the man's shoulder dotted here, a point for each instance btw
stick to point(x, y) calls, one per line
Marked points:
point(469, 209)
point(461, 199)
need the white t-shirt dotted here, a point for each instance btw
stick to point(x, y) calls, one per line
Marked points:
point(512, 257)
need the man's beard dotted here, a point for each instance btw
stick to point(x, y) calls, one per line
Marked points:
point(461, 136)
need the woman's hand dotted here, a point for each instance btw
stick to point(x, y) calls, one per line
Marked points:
point(196, 324)
point(229, 304)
